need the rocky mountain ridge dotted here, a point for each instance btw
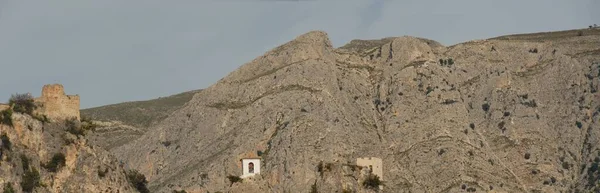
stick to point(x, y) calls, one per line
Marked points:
point(505, 114)
point(515, 113)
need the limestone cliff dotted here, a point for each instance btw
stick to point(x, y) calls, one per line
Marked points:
point(508, 114)
point(40, 156)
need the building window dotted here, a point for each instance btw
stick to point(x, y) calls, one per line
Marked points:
point(250, 168)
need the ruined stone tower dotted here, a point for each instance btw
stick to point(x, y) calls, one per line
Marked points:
point(56, 105)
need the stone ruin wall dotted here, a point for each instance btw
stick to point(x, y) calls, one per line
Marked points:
point(56, 105)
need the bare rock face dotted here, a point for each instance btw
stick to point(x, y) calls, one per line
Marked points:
point(44, 157)
point(509, 114)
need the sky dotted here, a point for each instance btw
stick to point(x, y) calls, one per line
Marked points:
point(112, 51)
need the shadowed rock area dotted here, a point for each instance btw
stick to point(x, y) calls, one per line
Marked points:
point(509, 114)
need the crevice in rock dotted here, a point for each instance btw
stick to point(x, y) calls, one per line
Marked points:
point(391, 52)
point(282, 89)
point(269, 72)
point(540, 67)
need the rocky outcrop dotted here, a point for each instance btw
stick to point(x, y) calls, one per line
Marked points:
point(500, 115)
point(44, 157)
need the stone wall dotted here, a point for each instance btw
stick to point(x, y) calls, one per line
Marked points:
point(56, 105)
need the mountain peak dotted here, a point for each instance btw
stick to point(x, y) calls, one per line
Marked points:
point(315, 37)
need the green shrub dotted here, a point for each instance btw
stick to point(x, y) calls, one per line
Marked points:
point(57, 161)
point(565, 165)
point(530, 103)
point(86, 119)
point(353, 167)
point(234, 179)
point(69, 138)
point(30, 180)
point(41, 118)
point(74, 127)
point(6, 117)
point(313, 188)
point(429, 90)
point(102, 173)
point(22, 103)
point(138, 181)
point(447, 62)
point(8, 188)
point(485, 107)
point(320, 168)
point(372, 182)
point(24, 162)
point(87, 124)
point(5, 141)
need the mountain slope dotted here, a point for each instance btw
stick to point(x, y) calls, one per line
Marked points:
point(140, 113)
point(504, 114)
point(124, 122)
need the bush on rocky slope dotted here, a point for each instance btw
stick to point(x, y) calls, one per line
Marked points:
point(57, 161)
point(22, 103)
point(372, 182)
point(31, 176)
point(138, 181)
point(6, 117)
point(8, 188)
point(234, 179)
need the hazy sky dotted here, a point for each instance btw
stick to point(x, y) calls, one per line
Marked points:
point(111, 51)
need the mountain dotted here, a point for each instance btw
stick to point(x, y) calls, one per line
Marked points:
point(515, 113)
